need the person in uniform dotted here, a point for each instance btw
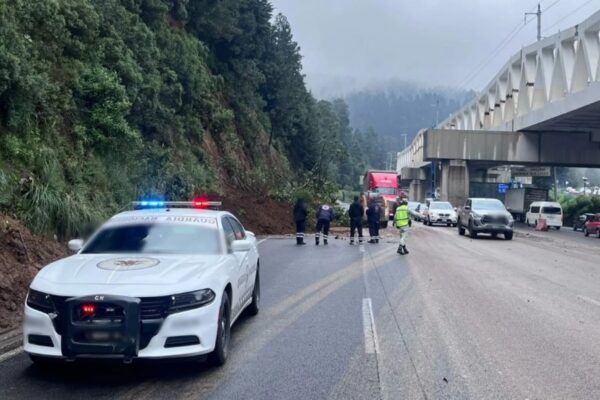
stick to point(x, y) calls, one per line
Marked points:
point(373, 217)
point(325, 215)
point(300, 220)
point(356, 213)
point(401, 220)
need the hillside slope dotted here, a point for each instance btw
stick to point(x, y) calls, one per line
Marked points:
point(106, 101)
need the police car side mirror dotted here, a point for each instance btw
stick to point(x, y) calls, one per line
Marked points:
point(75, 245)
point(241, 245)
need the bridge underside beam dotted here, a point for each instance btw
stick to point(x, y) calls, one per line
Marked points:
point(546, 148)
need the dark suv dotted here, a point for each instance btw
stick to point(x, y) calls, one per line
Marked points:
point(481, 215)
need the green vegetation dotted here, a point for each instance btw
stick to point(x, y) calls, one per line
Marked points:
point(576, 205)
point(102, 101)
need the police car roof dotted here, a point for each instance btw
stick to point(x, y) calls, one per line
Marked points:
point(172, 211)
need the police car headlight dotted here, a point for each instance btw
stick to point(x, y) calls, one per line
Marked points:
point(40, 301)
point(191, 300)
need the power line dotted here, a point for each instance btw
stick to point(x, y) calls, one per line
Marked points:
point(494, 53)
point(551, 5)
point(568, 15)
point(507, 39)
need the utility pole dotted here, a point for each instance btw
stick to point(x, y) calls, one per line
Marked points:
point(405, 138)
point(538, 14)
point(389, 161)
point(555, 183)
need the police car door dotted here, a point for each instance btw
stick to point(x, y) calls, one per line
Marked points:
point(252, 257)
point(233, 229)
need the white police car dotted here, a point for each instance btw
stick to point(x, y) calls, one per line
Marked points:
point(164, 281)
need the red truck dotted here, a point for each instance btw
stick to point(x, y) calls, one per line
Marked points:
point(383, 185)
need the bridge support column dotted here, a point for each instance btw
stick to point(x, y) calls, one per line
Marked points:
point(454, 182)
point(417, 190)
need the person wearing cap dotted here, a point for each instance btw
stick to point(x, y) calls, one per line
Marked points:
point(300, 220)
point(373, 217)
point(356, 212)
point(401, 221)
point(325, 215)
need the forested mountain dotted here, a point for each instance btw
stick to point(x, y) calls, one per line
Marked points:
point(400, 108)
point(102, 101)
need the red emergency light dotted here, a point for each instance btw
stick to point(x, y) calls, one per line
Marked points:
point(200, 202)
point(204, 203)
point(88, 309)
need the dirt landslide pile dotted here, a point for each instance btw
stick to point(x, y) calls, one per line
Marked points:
point(21, 257)
point(261, 215)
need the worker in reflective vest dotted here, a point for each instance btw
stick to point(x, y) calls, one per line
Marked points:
point(401, 221)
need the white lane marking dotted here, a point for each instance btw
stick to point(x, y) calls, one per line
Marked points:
point(364, 273)
point(589, 300)
point(261, 241)
point(371, 342)
point(10, 354)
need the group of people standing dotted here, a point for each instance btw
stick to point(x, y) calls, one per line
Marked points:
point(356, 213)
point(326, 214)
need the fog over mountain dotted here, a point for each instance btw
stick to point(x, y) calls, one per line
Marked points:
point(399, 109)
point(395, 62)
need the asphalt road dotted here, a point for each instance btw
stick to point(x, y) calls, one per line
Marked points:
point(455, 319)
point(566, 234)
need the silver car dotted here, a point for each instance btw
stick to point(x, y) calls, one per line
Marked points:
point(440, 212)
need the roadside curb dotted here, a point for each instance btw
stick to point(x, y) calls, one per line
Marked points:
point(10, 340)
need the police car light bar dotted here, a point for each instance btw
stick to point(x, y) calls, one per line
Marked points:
point(202, 204)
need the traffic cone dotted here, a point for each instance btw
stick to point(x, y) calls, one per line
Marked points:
point(542, 225)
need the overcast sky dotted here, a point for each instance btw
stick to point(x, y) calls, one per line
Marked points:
point(430, 42)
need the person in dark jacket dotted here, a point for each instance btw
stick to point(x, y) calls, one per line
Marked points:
point(325, 215)
point(300, 220)
point(356, 213)
point(373, 217)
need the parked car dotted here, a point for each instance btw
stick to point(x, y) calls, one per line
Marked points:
point(480, 215)
point(592, 227)
point(412, 209)
point(440, 212)
point(165, 280)
point(420, 212)
point(580, 221)
point(551, 211)
point(416, 214)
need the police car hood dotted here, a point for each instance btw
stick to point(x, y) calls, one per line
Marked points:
point(118, 273)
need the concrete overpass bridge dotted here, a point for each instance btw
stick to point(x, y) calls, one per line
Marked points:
point(542, 108)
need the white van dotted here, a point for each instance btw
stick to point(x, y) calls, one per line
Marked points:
point(549, 210)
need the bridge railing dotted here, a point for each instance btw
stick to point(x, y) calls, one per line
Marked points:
point(413, 154)
point(545, 72)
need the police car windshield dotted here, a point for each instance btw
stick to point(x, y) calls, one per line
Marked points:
point(158, 238)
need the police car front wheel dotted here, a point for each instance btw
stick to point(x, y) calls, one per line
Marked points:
point(254, 307)
point(221, 351)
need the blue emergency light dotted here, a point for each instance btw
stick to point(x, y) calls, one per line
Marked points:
point(151, 204)
point(199, 203)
